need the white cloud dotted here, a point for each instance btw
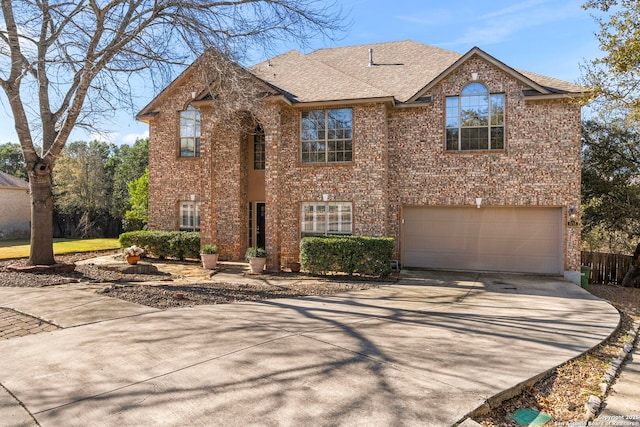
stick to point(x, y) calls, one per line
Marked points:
point(109, 137)
point(499, 25)
point(131, 138)
point(118, 138)
point(525, 5)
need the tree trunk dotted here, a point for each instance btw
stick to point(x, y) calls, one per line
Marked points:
point(41, 189)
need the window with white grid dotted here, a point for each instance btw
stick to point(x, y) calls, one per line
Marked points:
point(189, 216)
point(326, 218)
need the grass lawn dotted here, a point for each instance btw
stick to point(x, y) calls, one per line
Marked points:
point(20, 248)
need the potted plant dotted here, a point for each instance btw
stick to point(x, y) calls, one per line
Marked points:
point(133, 254)
point(294, 266)
point(209, 256)
point(257, 258)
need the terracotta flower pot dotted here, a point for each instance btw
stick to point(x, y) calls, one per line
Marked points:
point(294, 266)
point(132, 259)
point(257, 265)
point(209, 261)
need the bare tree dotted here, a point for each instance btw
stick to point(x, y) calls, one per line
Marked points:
point(65, 64)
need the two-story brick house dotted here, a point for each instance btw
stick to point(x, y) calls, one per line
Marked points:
point(465, 161)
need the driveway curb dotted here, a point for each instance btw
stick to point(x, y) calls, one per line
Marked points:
point(430, 349)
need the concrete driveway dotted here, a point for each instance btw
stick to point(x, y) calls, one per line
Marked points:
point(427, 350)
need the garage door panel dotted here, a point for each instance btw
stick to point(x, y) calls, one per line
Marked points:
point(502, 239)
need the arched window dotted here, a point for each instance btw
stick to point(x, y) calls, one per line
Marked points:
point(190, 132)
point(475, 119)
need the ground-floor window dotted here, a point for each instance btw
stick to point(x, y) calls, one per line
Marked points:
point(189, 216)
point(326, 218)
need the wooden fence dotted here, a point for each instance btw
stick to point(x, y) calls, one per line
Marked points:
point(606, 268)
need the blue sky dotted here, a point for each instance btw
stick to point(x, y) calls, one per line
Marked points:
point(549, 37)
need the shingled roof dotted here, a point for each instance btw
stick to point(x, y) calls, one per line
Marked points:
point(398, 70)
point(10, 181)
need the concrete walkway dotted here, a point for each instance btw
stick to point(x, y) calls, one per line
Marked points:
point(622, 405)
point(427, 350)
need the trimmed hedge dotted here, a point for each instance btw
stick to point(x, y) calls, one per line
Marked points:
point(370, 256)
point(164, 244)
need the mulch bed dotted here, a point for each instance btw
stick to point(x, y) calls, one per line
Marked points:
point(562, 394)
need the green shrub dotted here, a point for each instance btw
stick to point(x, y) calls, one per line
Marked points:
point(131, 238)
point(184, 244)
point(369, 256)
point(163, 244)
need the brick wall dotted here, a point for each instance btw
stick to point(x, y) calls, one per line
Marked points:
point(540, 165)
point(362, 182)
point(171, 178)
point(399, 159)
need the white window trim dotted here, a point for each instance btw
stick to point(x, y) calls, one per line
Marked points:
point(195, 123)
point(193, 215)
point(326, 139)
point(489, 126)
point(321, 226)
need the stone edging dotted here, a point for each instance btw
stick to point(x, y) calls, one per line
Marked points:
point(57, 268)
point(593, 405)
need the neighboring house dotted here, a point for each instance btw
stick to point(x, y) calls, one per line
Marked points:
point(466, 162)
point(15, 207)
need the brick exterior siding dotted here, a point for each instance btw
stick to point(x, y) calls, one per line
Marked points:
point(399, 158)
point(172, 178)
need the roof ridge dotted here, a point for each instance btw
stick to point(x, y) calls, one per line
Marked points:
point(380, 44)
point(347, 74)
point(380, 84)
point(272, 58)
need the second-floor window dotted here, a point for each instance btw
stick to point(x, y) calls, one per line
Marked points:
point(475, 119)
point(259, 146)
point(190, 132)
point(326, 136)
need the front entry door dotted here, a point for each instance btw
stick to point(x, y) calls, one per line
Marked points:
point(260, 228)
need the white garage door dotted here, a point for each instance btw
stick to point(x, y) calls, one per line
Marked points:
point(496, 239)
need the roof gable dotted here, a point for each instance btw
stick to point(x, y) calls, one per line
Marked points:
point(200, 93)
point(482, 54)
point(403, 71)
point(400, 72)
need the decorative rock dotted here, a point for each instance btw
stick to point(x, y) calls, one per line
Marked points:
point(52, 269)
point(604, 387)
point(593, 405)
point(139, 268)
